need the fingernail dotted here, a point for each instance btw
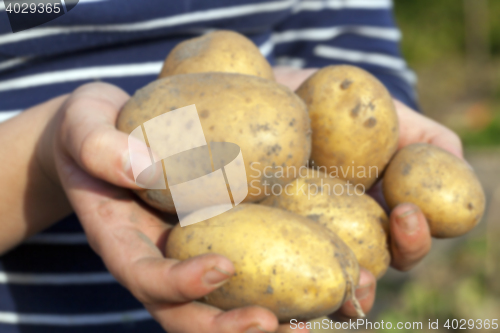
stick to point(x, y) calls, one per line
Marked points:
point(363, 291)
point(148, 172)
point(256, 329)
point(408, 221)
point(216, 276)
point(136, 161)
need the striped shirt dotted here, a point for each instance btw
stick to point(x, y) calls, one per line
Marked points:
point(54, 282)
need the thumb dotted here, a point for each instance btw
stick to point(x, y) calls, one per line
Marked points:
point(88, 134)
point(410, 239)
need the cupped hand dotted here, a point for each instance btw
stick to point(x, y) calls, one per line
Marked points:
point(88, 157)
point(409, 239)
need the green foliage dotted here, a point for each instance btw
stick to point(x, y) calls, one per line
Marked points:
point(432, 30)
point(489, 136)
point(455, 286)
point(494, 24)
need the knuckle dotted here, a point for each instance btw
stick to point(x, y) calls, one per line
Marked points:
point(71, 107)
point(138, 292)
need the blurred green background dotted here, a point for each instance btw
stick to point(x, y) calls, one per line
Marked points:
point(454, 48)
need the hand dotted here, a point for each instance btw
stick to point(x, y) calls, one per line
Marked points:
point(410, 235)
point(410, 238)
point(87, 156)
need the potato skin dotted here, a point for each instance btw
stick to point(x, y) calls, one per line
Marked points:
point(354, 122)
point(219, 51)
point(267, 120)
point(287, 263)
point(356, 218)
point(443, 186)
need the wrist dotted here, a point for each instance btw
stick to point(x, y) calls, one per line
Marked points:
point(45, 149)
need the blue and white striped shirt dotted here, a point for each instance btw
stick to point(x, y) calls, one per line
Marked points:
point(54, 282)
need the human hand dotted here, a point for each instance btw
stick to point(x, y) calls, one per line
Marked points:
point(410, 235)
point(410, 238)
point(88, 157)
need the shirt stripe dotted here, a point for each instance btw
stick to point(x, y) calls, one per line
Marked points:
point(98, 72)
point(382, 60)
point(13, 62)
point(359, 56)
point(199, 16)
point(317, 5)
point(74, 320)
point(58, 239)
point(6, 115)
point(56, 279)
point(321, 34)
point(86, 73)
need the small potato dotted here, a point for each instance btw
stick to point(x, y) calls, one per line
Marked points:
point(354, 123)
point(441, 184)
point(355, 217)
point(265, 119)
point(284, 262)
point(219, 51)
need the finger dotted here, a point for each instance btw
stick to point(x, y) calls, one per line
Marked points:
point(166, 280)
point(365, 294)
point(89, 136)
point(415, 127)
point(448, 140)
point(410, 238)
point(122, 233)
point(103, 208)
point(202, 318)
point(126, 236)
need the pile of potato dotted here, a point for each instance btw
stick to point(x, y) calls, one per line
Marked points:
point(299, 253)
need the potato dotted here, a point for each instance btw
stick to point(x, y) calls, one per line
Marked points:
point(354, 123)
point(287, 263)
point(265, 119)
point(219, 51)
point(354, 216)
point(441, 184)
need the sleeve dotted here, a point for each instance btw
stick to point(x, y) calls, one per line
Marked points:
point(362, 33)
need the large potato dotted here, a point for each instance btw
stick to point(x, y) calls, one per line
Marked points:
point(287, 263)
point(266, 120)
point(219, 51)
point(354, 123)
point(442, 185)
point(355, 217)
